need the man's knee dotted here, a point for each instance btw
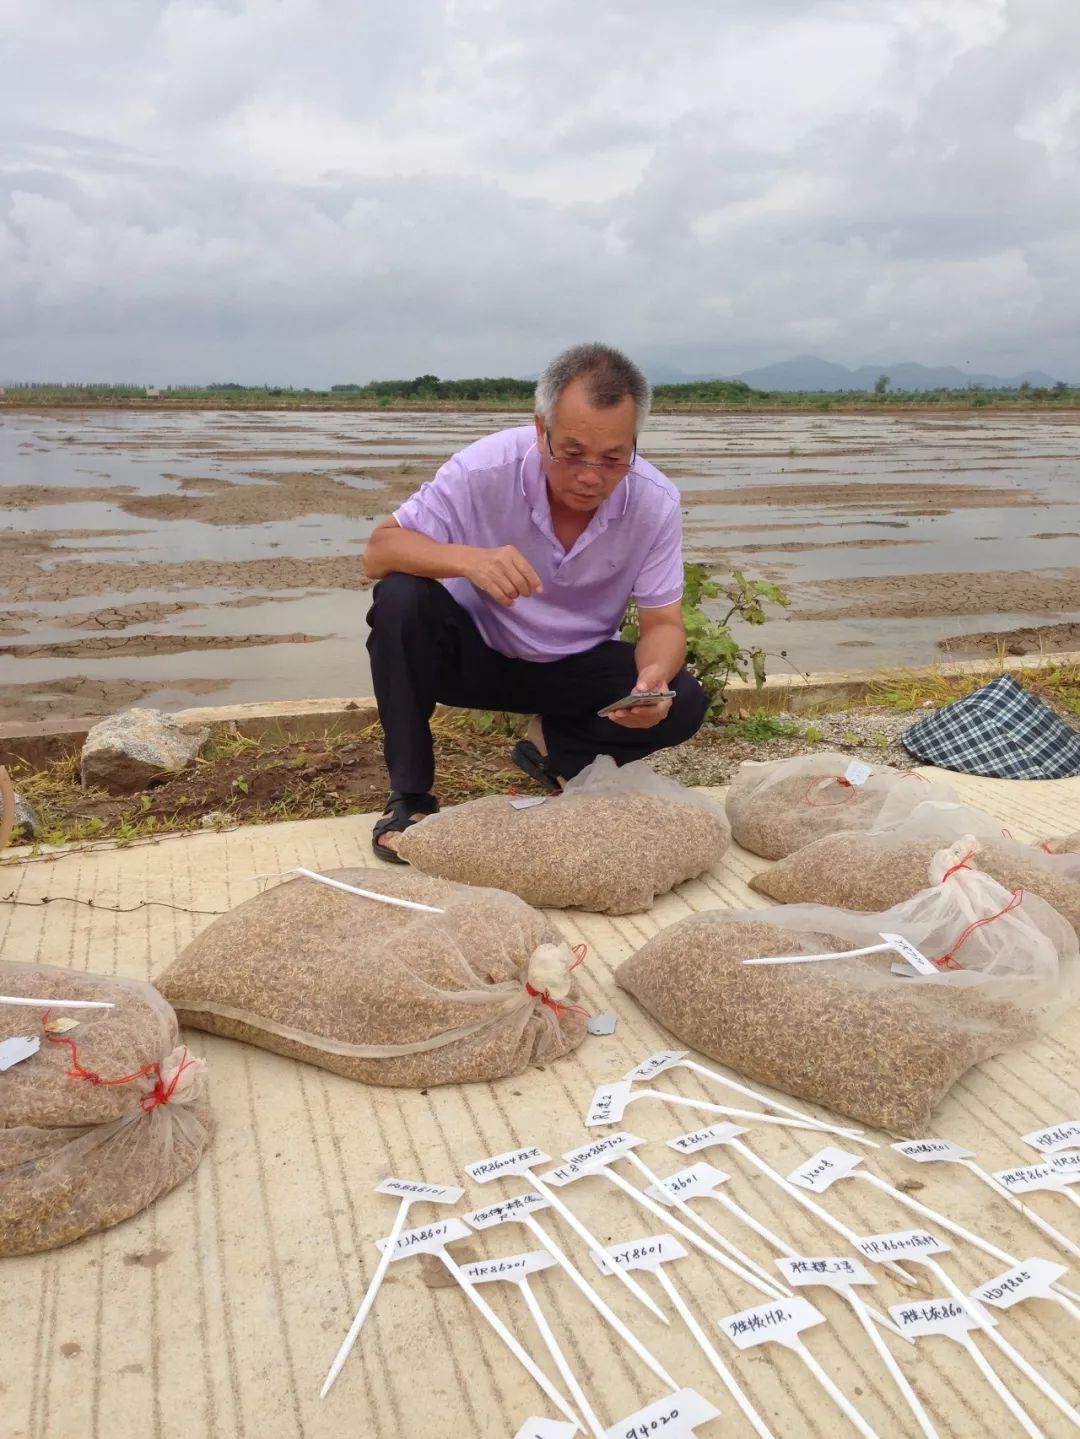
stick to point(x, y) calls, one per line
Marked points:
point(688, 709)
point(399, 600)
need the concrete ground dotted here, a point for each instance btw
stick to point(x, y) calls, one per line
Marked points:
point(217, 1311)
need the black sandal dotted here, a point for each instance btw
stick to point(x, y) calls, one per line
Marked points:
point(531, 762)
point(399, 817)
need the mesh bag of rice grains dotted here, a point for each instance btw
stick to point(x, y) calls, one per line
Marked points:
point(778, 807)
point(873, 871)
point(850, 1033)
point(106, 1115)
point(419, 982)
point(614, 840)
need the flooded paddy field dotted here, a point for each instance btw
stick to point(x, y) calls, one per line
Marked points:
point(214, 557)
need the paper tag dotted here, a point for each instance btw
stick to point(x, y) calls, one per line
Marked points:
point(428, 1239)
point(608, 1104)
point(417, 1189)
point(824, 1168)
point(779, 1322)
point(603, 1151)
point(646, 1253)
point(688, 1183)
point(514, 1268)
point(602, 1023)
point(702, 1138)
point(837, 1273)
point(547, 1429)
point(527, 803)
point(1030, 1279)
point(1058, 1136)
point(903, 1244)
point(13, 1051)
point(933, 1316)
point(676, 1416)
point(507, 1210)
point(926, 1151)
point(514, 1161)
point(657, 1063)
point(858, 772)
point(1067, 1165)
point(914, 957)
point(1028, 1178)
point(62, 1024)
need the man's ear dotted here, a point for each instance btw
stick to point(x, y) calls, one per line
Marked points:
point(539, 431)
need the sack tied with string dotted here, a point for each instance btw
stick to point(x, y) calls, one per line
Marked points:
point(778, 807)
point(478, 989)
point(1062, 844)
point(109, 1114)
point(874, 871)
point(850, 1034)
point(615, 839)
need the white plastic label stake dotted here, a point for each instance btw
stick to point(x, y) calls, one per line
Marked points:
point(56, 1003)
point(608, 1104)
point(689, 1183)
point(1029, 1178)
point(547, 1429)
point(703, 1138)
point(428, 1239)
point(676, 1416)
point(19, 1047)
point(657, 1063)
point(933, 1316)
point(915, 957)
point(640, 1253)
point(366, 893)
point(1058, 1136)
point(514, 1268)
point(565, 1174)
point(514, 1161)
point(516, 1208)
point(927, 1151)
point(415, 1189)
point(903, 1244)
point(781, 1322)
point(1067, 1165)
point(529, 803)
point(858, 772)
point(1033, 1279)
point(824, 1168)
point(832, 1271)
point(602, 1151)
point(602, 1023)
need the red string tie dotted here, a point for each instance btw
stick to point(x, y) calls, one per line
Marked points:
point(558, 1008)
point(160, 1094)
point(963, 864)
point(948, 961)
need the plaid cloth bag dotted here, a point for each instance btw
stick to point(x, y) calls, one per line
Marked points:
point(1001, 731)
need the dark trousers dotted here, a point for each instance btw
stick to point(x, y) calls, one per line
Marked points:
point(426, 650)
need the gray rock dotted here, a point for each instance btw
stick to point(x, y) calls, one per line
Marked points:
point(126, 751)
point(27, 823)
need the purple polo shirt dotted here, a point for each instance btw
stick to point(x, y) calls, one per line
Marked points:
point(495, 493)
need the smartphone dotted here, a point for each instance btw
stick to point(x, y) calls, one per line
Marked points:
point(635, 701)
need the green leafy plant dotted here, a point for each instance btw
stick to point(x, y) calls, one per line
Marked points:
point(761, 726)
point(813, 735)
point(713, 654)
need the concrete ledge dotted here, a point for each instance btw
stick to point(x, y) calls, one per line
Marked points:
point(48, 740)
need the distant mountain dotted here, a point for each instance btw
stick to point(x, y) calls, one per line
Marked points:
point(808, 372)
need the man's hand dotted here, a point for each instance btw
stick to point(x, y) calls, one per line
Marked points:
point(645, 716)
point(504, 574)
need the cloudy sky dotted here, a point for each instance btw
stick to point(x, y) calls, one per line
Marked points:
point(320, 191)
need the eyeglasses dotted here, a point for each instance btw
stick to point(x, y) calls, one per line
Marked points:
point(606, 469)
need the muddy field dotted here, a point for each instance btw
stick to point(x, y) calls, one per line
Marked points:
point(202, 557)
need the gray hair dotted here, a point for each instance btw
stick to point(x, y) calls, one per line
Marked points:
point(609, 377)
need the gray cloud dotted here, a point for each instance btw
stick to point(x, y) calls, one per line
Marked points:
point(315, 192)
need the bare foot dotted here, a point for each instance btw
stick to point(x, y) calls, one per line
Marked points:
point(392, 841)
